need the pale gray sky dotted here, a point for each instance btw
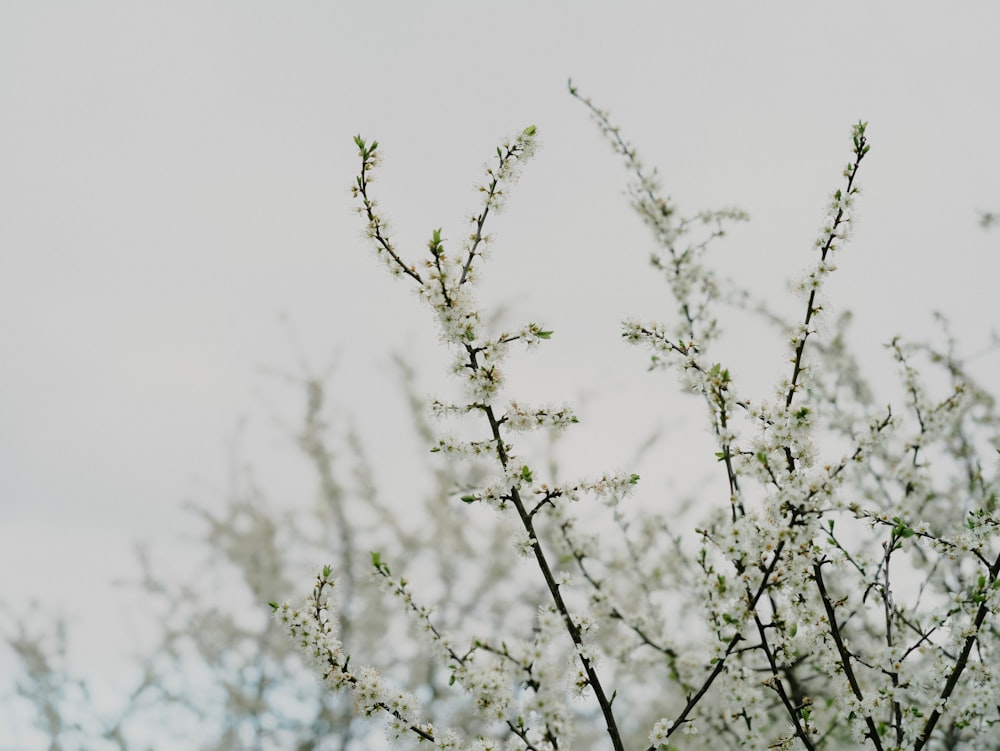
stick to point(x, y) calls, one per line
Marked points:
point(173, 176)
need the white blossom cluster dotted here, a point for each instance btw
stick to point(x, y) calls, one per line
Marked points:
point(519, 419)
point(313, 631)
point(312, 628)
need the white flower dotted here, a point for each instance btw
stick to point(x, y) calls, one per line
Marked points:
point(658, 735)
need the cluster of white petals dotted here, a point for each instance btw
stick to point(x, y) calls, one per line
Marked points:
point(519, 419)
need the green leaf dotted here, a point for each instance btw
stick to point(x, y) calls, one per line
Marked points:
point(633, 479)
point(326, 571)
point(469, 498)
point(376, 559)
point(901, 529)
point(543, 334)
point(435, 244)
point(526, 473)
point(273, 604)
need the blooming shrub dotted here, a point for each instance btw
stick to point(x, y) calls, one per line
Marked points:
point(842, 595)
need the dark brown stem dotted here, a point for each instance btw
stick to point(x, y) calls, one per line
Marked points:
point(845, 655)
point(963, 660)
point(550, 582)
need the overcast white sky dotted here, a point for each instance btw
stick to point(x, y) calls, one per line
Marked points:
point(173, 176)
